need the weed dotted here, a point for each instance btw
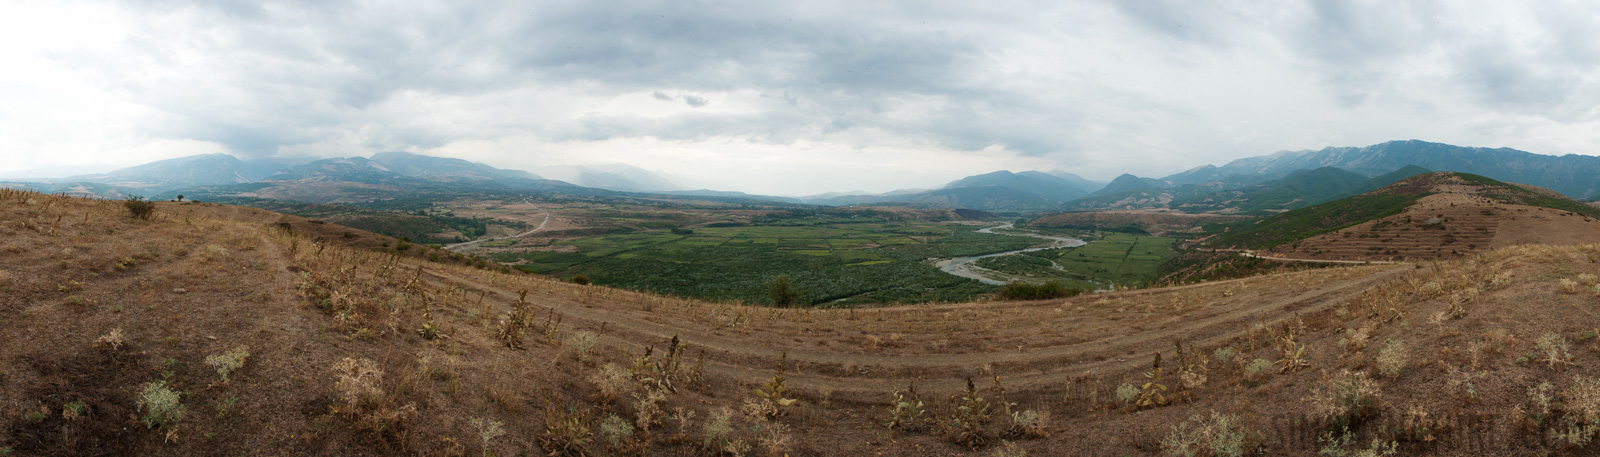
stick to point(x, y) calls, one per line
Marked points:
point(616, 431)
point(228, 362)
point(226, 405)
point(73, 411)
point(567, 430)
point(1346, 400)
point(1152, 393)
point(488, 430)
point(773, 392)
point(1257, 368)
point(1029, 424)
point(113, 340)
point(1540, 397)
point(1009, 449)
point(1126, 393)
point(581, 341)
point(161, 405)
point(905, 409)
point(1392, 359)
point(1554, 349)
point(612, 381)
point(1338, 446)
point(1294, 357)
point(1225, 354)
point(718, 432)
point(1568, 286)
point(1220, 435)
point(357, 380)
point(969, 423)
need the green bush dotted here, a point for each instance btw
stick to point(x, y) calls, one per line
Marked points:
point(782, 291)
point(139, 208)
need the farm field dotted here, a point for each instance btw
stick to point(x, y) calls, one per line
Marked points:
point(834, 263)
point(1110, 259)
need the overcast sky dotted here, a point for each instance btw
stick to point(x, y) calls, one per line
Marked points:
point(792, 97)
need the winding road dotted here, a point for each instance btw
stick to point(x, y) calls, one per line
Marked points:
point(458, 246)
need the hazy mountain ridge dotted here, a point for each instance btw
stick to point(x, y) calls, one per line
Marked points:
point(1574, 175)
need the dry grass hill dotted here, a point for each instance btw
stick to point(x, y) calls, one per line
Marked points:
point(1457, 214)
point(214, 330)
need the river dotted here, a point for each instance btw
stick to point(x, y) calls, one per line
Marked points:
point(963, 266)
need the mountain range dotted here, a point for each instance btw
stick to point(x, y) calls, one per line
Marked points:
point(1254, 185)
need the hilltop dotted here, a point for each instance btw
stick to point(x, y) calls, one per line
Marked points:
point(1428, 216)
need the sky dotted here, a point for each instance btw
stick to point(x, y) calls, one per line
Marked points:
point(791, 98)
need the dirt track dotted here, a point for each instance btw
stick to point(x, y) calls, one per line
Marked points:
point(818, 360)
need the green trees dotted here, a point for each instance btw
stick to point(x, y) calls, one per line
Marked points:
point(782, 291)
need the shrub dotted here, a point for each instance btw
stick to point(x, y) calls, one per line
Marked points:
point(1554, 349)
point(905, 409)
point(357, 380)
point(1221, 435)
point(161, 405)
point(488, 430)
point(1225, 354)
point(1018, 290)
point(969, 423)
point(1392, 359)
point(227, 362)
point(567, 430)
point(773, 393)
point(1346, 399)
point(616, 430)
point(1127, 393)
point(782, 291)
point(139, 208)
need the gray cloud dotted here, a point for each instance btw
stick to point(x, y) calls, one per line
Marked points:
point(1073, 82)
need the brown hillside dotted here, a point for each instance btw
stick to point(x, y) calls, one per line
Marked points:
point(357, 352)
point(1459, 217)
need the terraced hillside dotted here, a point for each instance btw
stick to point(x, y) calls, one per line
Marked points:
point(1455, 214)
point(276, 341)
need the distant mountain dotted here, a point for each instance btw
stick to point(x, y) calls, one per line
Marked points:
point(197, 170)
point(1577, 176)
point(1042, 184)
point(1300, 189)
point(987, 198)
point(1078, 181)
point(619, 177)
point(728, 194)
point(1128, 183)
point(409, 164)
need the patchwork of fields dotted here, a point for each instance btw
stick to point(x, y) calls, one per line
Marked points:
point(832, 262)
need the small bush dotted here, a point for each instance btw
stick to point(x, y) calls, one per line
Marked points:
point(1225, 354)
point(782, 291)
point(1392, 359)
point(488, 430)
point(1127, 393)
point(139, 208)
point(161, 405)
point(357, 380)
point(567, 430)
point(1221, 435)
point(228, 362)
point(580, 280)
point(1018, 290)
point(1346, 399)
point(1554, 349)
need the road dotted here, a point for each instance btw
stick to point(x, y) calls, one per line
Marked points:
point(459, 246)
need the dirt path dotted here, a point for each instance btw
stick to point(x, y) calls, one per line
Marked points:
point(754, 353)
point(459, 246)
